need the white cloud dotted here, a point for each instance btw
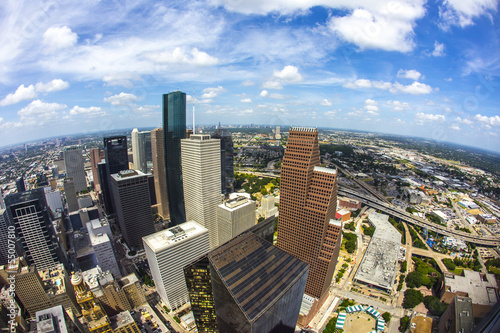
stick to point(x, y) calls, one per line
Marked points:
point(90, 111)
point(288, 74)
point(272, 84)
point(121, 99)
point(485, 120)
point(179, 56)
point(409, 74)
point(331, 114)
point(455, 127)
point(371, 102)
point(248, 83)
point(397, 105)
point(22, 93)
point(246, 100)
point(54, 85)
point(277, 96)
point(326, 102)
point(38, 112)
point(438, 50)
point(372, 108)
point(56, 38)
point(462, 13)
point(416, 88)
point(449, 79)
point(429, 117)
point(122, 79)
point(264, 93)
point(464, 121)
point(213, 92)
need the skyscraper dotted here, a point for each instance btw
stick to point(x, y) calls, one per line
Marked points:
point(116, 160)
point(130, 192)
point(201, 176)
point(160, 179)
point(246, 285)
point(20, 184)
point(168, 251)
point(233, 217)
point(101, 239)
point(96, 156)
point(34, 230)
point(226, 160)
point(74, 164)
point(4, 225)
point(141, 149)
point(308, 199)
point(174, 130)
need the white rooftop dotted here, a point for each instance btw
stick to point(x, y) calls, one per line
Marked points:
point(481, 288)
point(325, 170)
point(164, 239)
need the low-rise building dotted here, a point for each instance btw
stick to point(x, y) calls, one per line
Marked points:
point(344, 202)
point(486, 218)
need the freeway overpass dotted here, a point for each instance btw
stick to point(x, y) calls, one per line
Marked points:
point(412, 219)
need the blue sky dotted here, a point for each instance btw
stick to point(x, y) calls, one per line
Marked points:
point(419, 68)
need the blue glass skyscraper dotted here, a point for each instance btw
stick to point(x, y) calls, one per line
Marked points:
point(174, 129)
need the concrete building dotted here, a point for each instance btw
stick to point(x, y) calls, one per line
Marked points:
point(174, 130)
point(141, 150)
point(246, 285)
point(54, 200)
point(112, 296)
point(349, 203)
point(124, 323)
point(458, 317)
point(4, 233)
point(168, 251)
point(20, 186)
point(132, 203)
point(96, 156)
point(34, 230)
point(379, 264)
point(343, 215)
point(56, 320)
point(481, 288)
point(70, 194)
point(74, 164)
point(267, 206)
point(101, 239)
point(116, 160)
point(160, 180)
point(306, 226)
point(233, 217)
point(133, 290)
point(486, 218)
point(201, 178)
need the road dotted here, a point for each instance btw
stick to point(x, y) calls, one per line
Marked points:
point(409, 218)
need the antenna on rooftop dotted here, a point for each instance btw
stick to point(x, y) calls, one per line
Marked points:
point(194, 102)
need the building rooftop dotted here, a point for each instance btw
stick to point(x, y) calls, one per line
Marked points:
point(127, 174)
point(481, 288)
point(237, 203)
point(54, 280)
point(325, 170)
point(163, 239)
point(379, 265)
point(255, 272)
point(51, 320)
point(122, 319)
point(91, 277)
point(129, 279)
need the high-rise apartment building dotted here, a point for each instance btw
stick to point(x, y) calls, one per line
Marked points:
point(74, 164)
point(201, 177)
point(96, 156)
point(34, 230)
point(160, 180)
point(233, 217)
point(226, 160)
point(308, 199)
point(246, 285)
point(101, 239)
point(168, 251)
point(174, 130)
point(132, 203)
point(141, 150)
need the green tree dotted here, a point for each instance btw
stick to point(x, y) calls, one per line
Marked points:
point(403, 323)
point(404, 267)
point(412, 298)
point(369, 231)
point(386, 316)
point(433, 304)
point(263, 191)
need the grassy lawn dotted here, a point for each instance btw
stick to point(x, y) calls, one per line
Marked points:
point(457, 271)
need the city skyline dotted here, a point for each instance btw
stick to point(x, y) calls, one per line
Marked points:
point(413, 68)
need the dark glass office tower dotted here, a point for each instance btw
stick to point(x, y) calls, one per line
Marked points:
point(115, 153)
point(20, 185)
point(246, 285)
point(34, 229)
point(116, 159)
point(226, 160)
point(174, 129)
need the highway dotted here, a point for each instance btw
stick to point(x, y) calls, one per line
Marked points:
point(387, 208)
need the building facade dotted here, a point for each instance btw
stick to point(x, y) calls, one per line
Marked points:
point(201, 178)
point(226, 160)
point(159, 174)
point(246, 285)
point(168, 251)
point(74, 164)
point(96, 156)
point(101, 239)
point(233, 217)
point(308, 200)
point(132, 203)
point(141, 149)
point(174, 130)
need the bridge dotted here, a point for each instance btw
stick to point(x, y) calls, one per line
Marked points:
point(412, 219)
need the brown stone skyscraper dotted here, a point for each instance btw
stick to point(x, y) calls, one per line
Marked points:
point(157, 153)
point(308, 200)
point(96, 156)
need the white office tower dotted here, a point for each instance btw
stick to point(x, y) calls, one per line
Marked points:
point(267, 206)
point(235, 216)
point(168, 252)
point(74, 164)
point(278, 133)
point(54, 200)
point(141, 150)
point(200, 156)
point(101, 240)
